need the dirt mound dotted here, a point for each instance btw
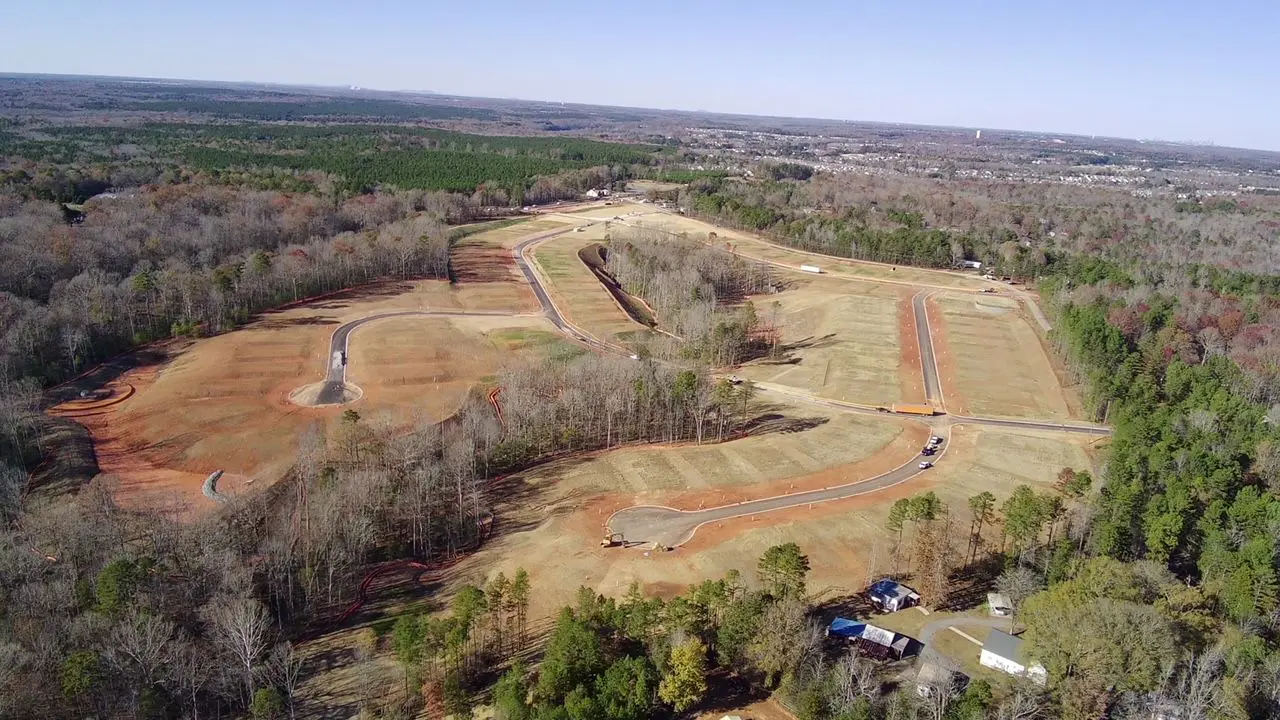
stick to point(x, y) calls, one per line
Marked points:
point(321, 394)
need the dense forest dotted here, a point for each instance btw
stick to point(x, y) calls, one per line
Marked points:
point(354, 158)
point(1013, 228)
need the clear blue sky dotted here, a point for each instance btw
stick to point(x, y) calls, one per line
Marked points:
point(1171, 69)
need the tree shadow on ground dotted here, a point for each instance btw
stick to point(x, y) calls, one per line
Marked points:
point(727, 692)
point(279, 323)
point(344, 298)
point(771, 423)
point(971, 583)
point(93, 381)
point(70, 460)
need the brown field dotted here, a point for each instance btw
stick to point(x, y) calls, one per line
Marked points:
point(753, 246)
point(221, 403)
point(608, 212)
point(656, 185)
point(424, 367)
point(577, 292)
point(484, 260)
point(844, 341)
point(845, 540)
point(991, 360)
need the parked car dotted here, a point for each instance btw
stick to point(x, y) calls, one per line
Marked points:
point(928, 451)
point(926, 465)
point(935, 441)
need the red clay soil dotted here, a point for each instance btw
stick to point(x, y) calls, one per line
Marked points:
point(910, 374)
point(954, 400)
point(474, 262)
point(143, 480)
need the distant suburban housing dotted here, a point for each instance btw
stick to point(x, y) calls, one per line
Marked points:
point(891, 596)
point(999, 604)
point(1006, 653)
point(872, 641)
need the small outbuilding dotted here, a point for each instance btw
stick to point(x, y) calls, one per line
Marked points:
point(999, 604)
point(892, 596)
point(1007, 653)
point(932, 677)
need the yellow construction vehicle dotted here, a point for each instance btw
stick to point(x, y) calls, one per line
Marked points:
point(613, 540)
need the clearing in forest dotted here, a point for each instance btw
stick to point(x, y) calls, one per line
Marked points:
point(991, 360)
point(483, 262)
point(221, 403)
point(563, 505)
point(842, 339)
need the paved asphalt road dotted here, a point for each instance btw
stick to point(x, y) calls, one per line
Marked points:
point(336, 375)
point(928, 363)
point(671, 527)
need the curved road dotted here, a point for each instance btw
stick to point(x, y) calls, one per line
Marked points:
point(671, 527)
point(336, 375)
point(668, 526)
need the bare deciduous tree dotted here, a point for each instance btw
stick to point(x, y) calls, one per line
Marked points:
point(241, 626)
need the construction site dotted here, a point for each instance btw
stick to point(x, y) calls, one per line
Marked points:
point(907, 381)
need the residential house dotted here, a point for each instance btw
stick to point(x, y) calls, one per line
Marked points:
point(892, 596)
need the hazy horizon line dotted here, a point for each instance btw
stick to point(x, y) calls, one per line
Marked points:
point(404, 91)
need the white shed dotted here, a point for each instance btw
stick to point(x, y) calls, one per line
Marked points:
point(1005, 653)
point(999, 604)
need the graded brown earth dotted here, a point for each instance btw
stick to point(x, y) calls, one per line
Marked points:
point(222, 403)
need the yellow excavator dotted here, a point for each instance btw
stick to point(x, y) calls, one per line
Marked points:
point(613, 540)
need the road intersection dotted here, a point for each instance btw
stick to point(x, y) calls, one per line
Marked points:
point(650, 524)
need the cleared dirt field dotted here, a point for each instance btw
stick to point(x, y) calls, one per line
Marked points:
point(483, 263)
point(423, 367)
point(627, 210)
point(554, 529)
point(991, 359)
point(555, 538)
point(221, 403)
point(578, 293)
point(844, 341)
point(755, 247)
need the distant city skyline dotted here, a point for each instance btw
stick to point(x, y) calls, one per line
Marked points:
point(1174, 71)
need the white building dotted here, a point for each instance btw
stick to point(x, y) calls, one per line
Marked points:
point(1006, 653)
point(999, 604)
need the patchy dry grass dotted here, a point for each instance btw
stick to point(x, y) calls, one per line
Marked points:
point(842, 337)
point(992, 361)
